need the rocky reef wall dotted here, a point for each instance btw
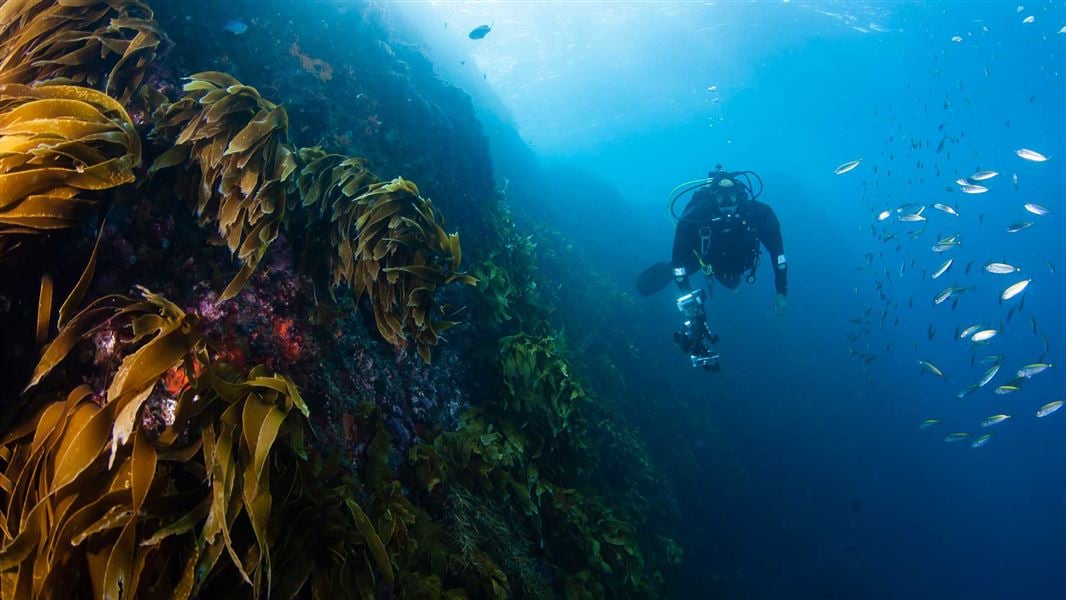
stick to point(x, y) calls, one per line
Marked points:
point(246, 355)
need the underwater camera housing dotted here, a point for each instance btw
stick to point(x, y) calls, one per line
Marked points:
point(696, 338)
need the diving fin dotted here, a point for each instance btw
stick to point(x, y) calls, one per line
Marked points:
point(655, 278)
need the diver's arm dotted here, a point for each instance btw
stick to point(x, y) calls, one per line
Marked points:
point(770, 236)
point(686, 239)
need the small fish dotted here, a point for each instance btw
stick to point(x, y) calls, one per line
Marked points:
point(983, 175)
point(981, 440)
point(1014, 178)
point(943, 268)
point(1031, 155)
point(963, 181)
point(1034, 369)
point(1049, 408)
point(1014, 290)
point(926, 424)
point(966, 391)
point(1029, 19)
point(972, 329)
point(1062, 29)
point(999, 268)
point(955, 437)
point(844, 168)
point(480, 31)
point(949, 292)
point(956, 38)
point(1007, 389)
point(1020, 225)
point(912, 217)
point(945, 208)
point(1036, 209)
point(974, 189)
point(989, 374)
point(984, 335)
point(1051, 266)
point(884, 215)
point(235, 27)
point(930, 367)
point(991, 358)
point(994, 420)
point(944, 246)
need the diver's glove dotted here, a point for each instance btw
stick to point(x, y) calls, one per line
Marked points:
point(780, 305)
point(696, 338)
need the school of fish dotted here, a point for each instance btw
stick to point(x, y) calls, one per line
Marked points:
point(923, 160)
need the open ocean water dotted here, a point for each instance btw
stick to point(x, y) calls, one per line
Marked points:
point(814, 477)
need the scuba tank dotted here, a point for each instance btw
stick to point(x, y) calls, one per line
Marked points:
point(660, 275)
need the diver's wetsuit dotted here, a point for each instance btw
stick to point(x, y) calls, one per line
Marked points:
point(729, 243)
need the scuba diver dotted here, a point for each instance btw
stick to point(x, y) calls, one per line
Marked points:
point(718, 234)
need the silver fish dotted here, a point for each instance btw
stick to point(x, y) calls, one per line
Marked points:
point(926, 424)
point(994, 420)
point(1034, 369)
point(963, 181)
point(844, 168)
point(972, 329)
point(999, 268)
point(966, 391)
point(974, 189)
point(912, 217)
point(949, 292)
point(1007, 389)
point(981, 441)
point(1032, 155)
point(955, 437)
point(983, 175)
point(930, 367)
point(943, 268)
point(1014, 290)
point(984, 335)
point(884, 215)
point(946, 208)
point(1036, 209)
point(1049, 408)
point(989, 374)
point(991, 358)
point(1020, 225)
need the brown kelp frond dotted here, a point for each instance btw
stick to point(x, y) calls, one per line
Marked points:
point(381, 239)
point(401, 256)
point(61, 148)
point(329, 185)
point(102, 44)
point(139, 491)
point(58, 145)
point(235, 139)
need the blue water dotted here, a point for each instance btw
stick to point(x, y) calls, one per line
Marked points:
point(815, 480)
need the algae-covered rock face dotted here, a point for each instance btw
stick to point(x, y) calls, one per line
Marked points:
point(266, 422)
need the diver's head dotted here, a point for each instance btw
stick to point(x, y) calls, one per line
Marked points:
point(728, 194)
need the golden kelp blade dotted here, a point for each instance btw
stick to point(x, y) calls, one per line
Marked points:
point(379, 238)
point(84, 42)
point(64, 146)
point(236, 139)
